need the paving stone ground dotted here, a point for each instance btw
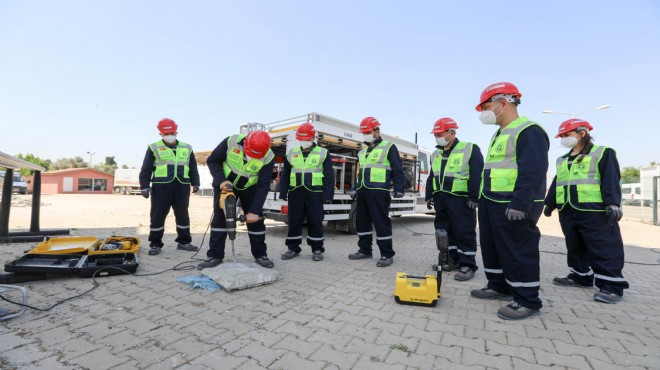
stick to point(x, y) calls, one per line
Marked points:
point(334, 314)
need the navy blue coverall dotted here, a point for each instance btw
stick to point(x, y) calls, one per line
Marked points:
point(373, 207)
point(175, 195)
point(592, 240)
point(307, 204)
point(252, 201)
point(510, 249)
point(452, 212)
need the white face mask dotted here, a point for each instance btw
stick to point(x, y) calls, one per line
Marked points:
point(569, 141)
point(306, 144)
point(488, 117)
point(369, 138)
point(169, 138)
point(441, 141)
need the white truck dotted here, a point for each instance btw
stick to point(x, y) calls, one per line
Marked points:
point(343, 141)
point(127, 181)
point(646, 179)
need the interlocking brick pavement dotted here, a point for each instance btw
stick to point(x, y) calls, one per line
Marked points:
point(334, 314)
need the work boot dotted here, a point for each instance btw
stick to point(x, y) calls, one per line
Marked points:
point(186, 247)
point(210, 262)
point(568, 282)
point(464, 274)
point(289, 254)
point(607, 297)
point(487, 293)
point(514, 311)
point(317, 256)
point(359, 256)
point(263, 261)
point(153, 250)
point(384, 261)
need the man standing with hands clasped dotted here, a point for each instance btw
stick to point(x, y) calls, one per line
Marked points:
point(308, 182)
point(513, 189)
point(380, 165)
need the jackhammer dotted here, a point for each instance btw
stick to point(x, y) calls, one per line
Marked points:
point(228, 205)
point(442, 242)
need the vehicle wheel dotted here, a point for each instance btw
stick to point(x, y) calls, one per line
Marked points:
point(123, 190)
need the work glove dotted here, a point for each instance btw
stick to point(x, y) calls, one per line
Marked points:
point(352, 194)
point(397, 195)
point(472, 204)
point(146, 192)
point(195, 189)
point(547, 211)
point(283, 196)
point(514, 215)
point(613, 212)
point(327, 201)
point(429, 204)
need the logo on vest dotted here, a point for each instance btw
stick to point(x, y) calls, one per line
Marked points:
point(237, 151)
point(499, 148)
point(374, 156)
point(313, 160)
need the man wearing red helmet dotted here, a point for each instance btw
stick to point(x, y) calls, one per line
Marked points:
point(380, 165)
point(587, 193)
point(246, 162)
point(513, 188)
point(171, 168)
point(453, 189)
point(307, 182)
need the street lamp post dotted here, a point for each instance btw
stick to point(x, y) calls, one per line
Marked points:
point(90, 158)
point(575, 114)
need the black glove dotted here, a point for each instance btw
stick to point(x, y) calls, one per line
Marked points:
point(429, 204)
point(472, 204)
point(547, 211)
point(146, 192)
point(195, 189)
point(514, 215)
point(352, 194)
point(397, 195)
point(614, 212)
point(283, 196)
point(327, 201)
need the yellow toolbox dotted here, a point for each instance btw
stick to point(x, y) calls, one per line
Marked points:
point(66, 245)
point(416, 290)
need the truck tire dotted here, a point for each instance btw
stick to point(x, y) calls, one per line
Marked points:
point(123, 190)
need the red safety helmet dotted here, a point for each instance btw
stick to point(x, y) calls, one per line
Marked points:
point(305, 132)
point(167, 126)
point(368, 124)
point(506, 88)
point(444, 124)
point(257, 144)
point(572, 125)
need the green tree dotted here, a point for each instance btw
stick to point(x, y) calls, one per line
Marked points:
point(45, 163)
point(64, 163)
point(630, 175)
point(109, 166)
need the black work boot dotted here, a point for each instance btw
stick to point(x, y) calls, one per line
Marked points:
point(359, 256)
point(263, 261)
point(153, 250)
point(187, 247)
point(210, 262)
point(289, 254)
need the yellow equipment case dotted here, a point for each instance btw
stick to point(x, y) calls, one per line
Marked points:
point(416, 290)
point(83, 256)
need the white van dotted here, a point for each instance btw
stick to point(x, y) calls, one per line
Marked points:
point(631, 193)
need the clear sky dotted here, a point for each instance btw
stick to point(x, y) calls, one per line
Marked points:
point(78, 76)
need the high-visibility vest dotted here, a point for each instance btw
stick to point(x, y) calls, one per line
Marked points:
point(581, 180)
point(170, 166)
point(500, 164)
point(240, 173)
point(457, 168)
point(375, 171)
point(307, 172)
